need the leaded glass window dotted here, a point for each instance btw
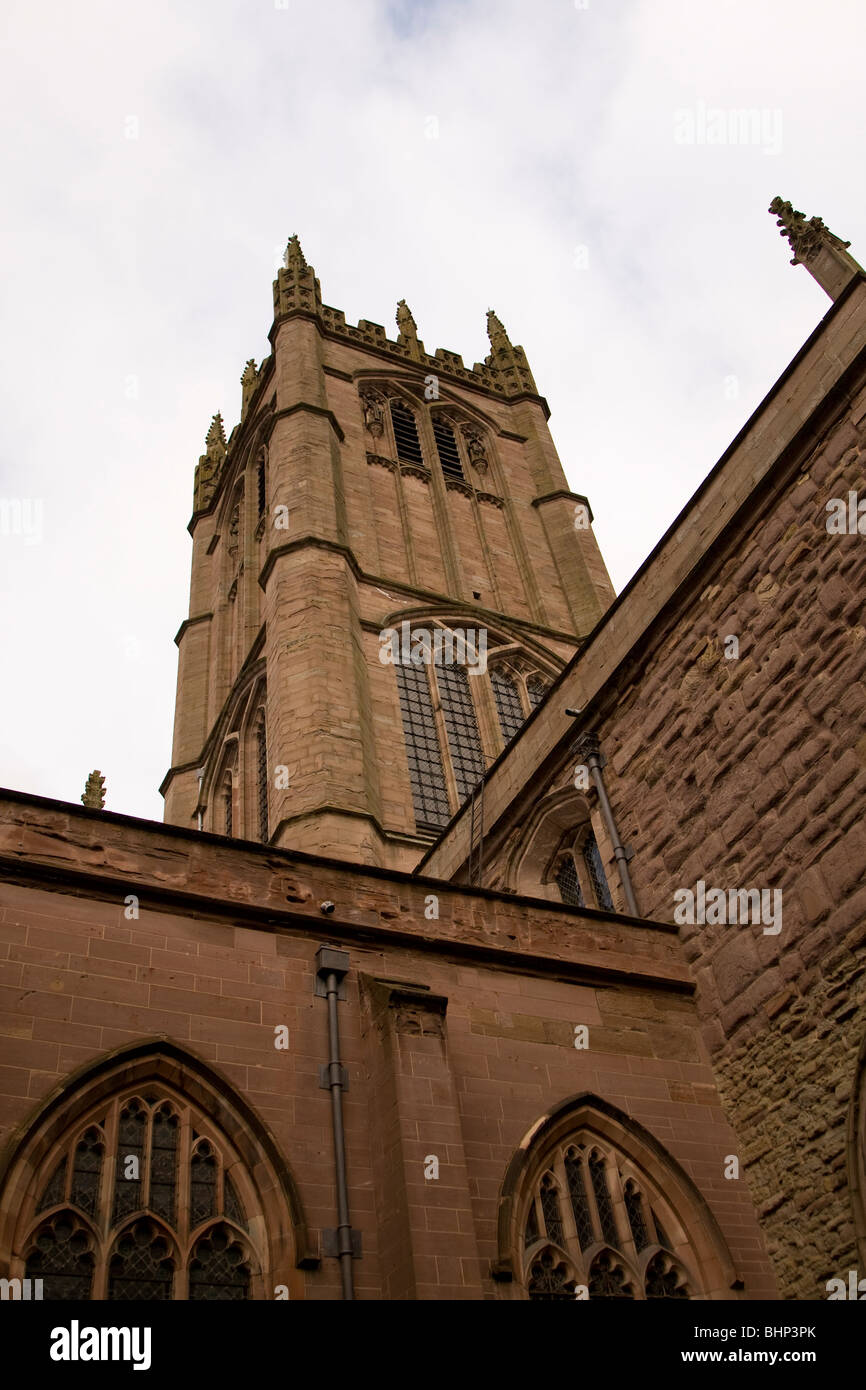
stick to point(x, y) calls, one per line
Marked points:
point(86, 1170)
point(446, 446)
point(579, 1204)
point(405, 433)
point(508, 706)
point(598, 1178)
point(664, 1279)
point(568, 882)
point(595, 869)
point(551, 1210)
point(220, 1268)
point(598, 1222)
point(609, 1279)
point(61, 1255)
point(536, 689)
point(227, 804)
point(464, 740)
point(549, 1279)
point(426, 773)
point(135, 1189)
point(141, 1266)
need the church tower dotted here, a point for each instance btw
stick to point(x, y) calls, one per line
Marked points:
point(375, 507)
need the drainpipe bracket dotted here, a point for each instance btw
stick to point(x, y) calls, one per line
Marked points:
point(331, 1244)
point(325, 1077)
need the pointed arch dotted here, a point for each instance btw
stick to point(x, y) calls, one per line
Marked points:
point(254, 1200)
point(595, 1153)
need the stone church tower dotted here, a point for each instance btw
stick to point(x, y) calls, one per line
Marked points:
point(370, 1032)
point(370, 485)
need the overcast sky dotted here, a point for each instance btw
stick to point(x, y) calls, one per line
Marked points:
point(545, 158)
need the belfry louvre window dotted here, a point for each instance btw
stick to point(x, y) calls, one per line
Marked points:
point(508, 706)
point(588, 1222)
point(426, 773)
point(405, 433)
point(138, 1204)
point(446, 446)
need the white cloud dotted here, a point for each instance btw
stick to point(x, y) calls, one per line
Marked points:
point(151, 259)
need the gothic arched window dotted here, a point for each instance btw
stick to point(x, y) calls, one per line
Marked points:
point(228, 816)
point(579, 874)
point(536, 689)
point(583, 1213)
point(137, 1202)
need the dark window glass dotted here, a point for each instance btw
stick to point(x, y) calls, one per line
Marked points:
point(405, 434)
point(446, 446)
point(86, 1171)
point(54, 1189)
point(202, 1193)
point(464, 741)
point(429, 795)
point(262, 772)
point(61, 1256)
point(261, 484)
point(508, 705)
point(663, 1280)
point(130, 1144)
point(220, 1270)
point(595, 869)
point(163, 1163)
point(141, 1267)
point(227, 806)
point(568, 883)
point(634, 1211)
point(549, 1280)
point(551, 1210)
point(579, 1204)
point(598, 1178)
point(608, 1279)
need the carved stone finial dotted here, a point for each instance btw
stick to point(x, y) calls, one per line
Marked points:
point(215, 443)
point(496, 333)
point(93, 795)
point(806, 236)
point(249, 382)
point(294, 257)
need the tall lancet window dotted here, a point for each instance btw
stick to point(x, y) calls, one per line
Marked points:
point(262, 777)
point(405, 433)
point(464, 740)
point(261, 483)
point(508, 706)
point(426, 773)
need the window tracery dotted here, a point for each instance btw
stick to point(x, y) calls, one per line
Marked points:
point(149, 1223)
point(588, 1222)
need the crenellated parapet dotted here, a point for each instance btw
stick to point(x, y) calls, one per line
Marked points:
point(505, 372)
